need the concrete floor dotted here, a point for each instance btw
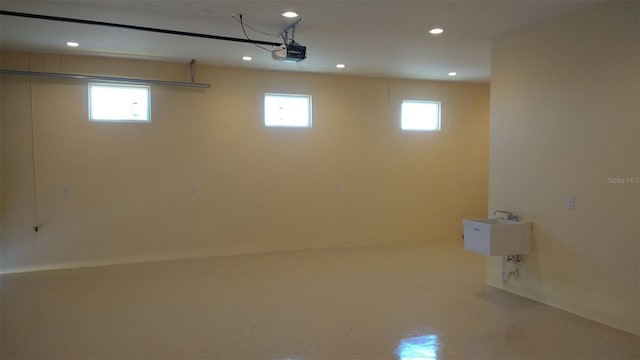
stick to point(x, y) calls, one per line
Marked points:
point(407, 301)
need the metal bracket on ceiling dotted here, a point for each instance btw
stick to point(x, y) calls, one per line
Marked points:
point(284, 34)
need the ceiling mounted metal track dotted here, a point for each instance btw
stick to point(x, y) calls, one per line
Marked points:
point(104, 78)
point(135, 27)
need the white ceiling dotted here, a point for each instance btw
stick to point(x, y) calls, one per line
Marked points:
point(374, 38)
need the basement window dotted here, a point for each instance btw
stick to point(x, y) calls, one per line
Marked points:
point(109, 102)
point(420, 115)
point(287, 110)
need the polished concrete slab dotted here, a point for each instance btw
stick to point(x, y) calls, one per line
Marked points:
point(400, 301)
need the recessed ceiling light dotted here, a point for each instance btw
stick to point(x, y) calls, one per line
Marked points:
point(247, 58)
point(436, 31)
point(341, 66)
point(290, 14)
point(72, 44)
point(453, 73)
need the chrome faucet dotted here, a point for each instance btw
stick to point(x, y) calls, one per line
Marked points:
point(510, 215)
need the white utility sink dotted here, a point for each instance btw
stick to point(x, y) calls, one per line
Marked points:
point(496, 237)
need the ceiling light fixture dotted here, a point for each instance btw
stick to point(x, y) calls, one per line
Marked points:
point(341, 66)
point(72, 44)
point(453, 73)
point(247, 58)
point(290, 14)
point(436, 31)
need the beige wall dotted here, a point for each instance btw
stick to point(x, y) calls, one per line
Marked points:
point(257, 189)
point(565, 118)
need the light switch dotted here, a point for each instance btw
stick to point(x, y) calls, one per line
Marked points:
point(571, 202)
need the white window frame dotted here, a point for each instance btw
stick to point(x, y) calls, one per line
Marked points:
point(132, 119)
point(268, 117)
point(411, 124)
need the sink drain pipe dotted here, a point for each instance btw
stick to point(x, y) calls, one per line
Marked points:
point(515, 259)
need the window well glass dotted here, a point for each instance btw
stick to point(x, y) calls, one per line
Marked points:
point(420, 115)
point(287, 110)
point(109, 102)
